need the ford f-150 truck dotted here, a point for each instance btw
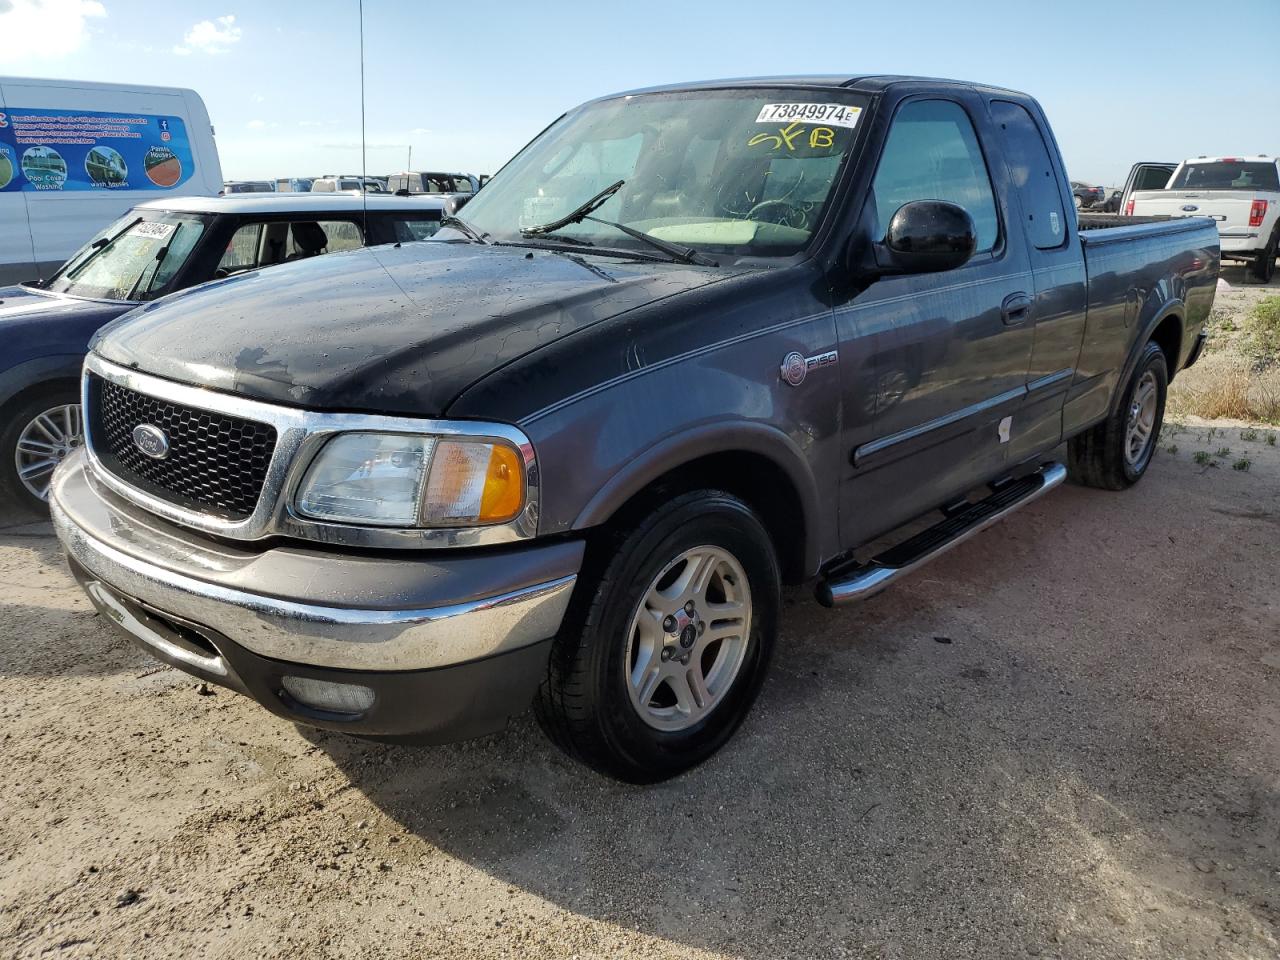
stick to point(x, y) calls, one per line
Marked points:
point(1240, 194)
point(690, 344)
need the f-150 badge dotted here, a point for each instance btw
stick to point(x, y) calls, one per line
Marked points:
point(796, 366)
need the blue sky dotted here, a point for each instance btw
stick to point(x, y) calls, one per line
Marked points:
point(467, 84)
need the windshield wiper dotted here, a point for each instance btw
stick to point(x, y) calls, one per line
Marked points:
point(71, 269)
point(155, 270)
point(683, 254)
point(463, 227)
point(577, 215)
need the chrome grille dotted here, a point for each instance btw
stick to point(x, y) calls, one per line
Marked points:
point(216, 463)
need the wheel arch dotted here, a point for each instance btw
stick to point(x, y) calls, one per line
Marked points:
point(1165, 328)
point(19, 381)
point(756, 462)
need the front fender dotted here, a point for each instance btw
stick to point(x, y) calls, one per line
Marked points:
point(40, 370)
point(739, 437)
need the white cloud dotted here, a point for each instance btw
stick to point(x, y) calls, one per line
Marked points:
point(256, 124)
point(210, 36)
point(310, 123)
point(45, 29)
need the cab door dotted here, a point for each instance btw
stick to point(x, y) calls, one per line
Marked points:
point(939, 360)
point(1057, 318)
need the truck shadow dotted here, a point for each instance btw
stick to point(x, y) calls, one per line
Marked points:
point(945, 762)
point(891, 785)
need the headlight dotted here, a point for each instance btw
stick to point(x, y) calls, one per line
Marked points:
point(406, 480)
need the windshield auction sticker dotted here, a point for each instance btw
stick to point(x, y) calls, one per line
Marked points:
point(832, 114)
point(150, 228)
point(63, 150)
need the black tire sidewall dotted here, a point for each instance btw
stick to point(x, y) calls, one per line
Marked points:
point(708, 518)
point(17, 415)
point(1152, 359)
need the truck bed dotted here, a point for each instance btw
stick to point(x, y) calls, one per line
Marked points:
point(1105, 221)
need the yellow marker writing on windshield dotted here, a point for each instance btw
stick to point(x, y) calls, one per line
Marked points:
point(787, 135)
point(821, 137)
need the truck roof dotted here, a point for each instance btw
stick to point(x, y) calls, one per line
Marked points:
point(1242, 157)
point(863, 83)
point(289, 202)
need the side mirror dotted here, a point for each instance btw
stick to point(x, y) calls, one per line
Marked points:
point(927, 236)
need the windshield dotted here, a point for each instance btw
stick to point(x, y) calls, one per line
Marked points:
point(733, 171)
point(135, 258)
point(1226, 175)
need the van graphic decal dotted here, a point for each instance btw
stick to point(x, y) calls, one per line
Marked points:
point(65, 150)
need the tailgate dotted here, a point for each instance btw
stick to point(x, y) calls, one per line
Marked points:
point(1228, 208)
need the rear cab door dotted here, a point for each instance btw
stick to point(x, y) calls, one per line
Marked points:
point(1041, 194)
point(941, 358)
point(1145, 176)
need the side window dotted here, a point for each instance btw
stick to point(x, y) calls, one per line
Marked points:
point(310, 237)
point(408, 231)
point(1152, 178)
point(242, 251)
point(932, 153)
point(461, 185)
point(1033, 174)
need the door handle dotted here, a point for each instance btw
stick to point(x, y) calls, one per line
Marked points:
point(1015, 308)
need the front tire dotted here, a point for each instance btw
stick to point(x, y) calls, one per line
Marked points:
point(661, 656)
point(39, 431)
point(1115, 454)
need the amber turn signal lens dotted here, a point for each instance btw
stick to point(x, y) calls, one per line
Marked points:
point(503, 486)
point(473, 482)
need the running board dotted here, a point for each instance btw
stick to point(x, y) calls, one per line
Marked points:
point(851, 583)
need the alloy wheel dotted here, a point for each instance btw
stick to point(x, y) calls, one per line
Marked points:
point(44, 443)
point(688, 638)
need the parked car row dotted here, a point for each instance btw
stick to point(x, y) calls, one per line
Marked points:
point(692, 343)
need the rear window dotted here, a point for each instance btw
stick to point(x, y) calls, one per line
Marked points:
point(1226, 175)
point(1034, 176)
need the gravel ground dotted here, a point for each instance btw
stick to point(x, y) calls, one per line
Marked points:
point(1059, 741)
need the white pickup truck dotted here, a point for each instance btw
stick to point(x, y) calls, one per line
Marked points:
point(1242, 194)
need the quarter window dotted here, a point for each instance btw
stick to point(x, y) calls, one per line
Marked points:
point(932, 153)
point(1033, 174)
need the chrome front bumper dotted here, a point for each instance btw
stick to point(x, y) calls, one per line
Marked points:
point(307, 606)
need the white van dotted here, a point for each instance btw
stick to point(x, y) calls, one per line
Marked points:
point(76, 155)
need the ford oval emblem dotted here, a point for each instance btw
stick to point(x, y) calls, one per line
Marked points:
point(1190, 208)
point(151, 441)
point(794, 368)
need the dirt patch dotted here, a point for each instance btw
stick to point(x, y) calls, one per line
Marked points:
point(1088, 768)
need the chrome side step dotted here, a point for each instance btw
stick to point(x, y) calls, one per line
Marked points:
point(850, 583)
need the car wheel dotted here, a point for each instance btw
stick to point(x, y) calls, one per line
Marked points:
point(661, 655)
point(1264, 268)
point(1079, 203)
point(1115, 454)
point(41, 430)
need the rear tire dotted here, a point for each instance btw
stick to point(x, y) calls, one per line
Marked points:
point(1264, 268)
point(601, 703)
point(1115, 454)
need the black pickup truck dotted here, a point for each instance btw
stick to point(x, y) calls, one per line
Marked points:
point(692, 343)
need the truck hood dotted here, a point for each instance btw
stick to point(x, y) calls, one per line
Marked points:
point(397, 330)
